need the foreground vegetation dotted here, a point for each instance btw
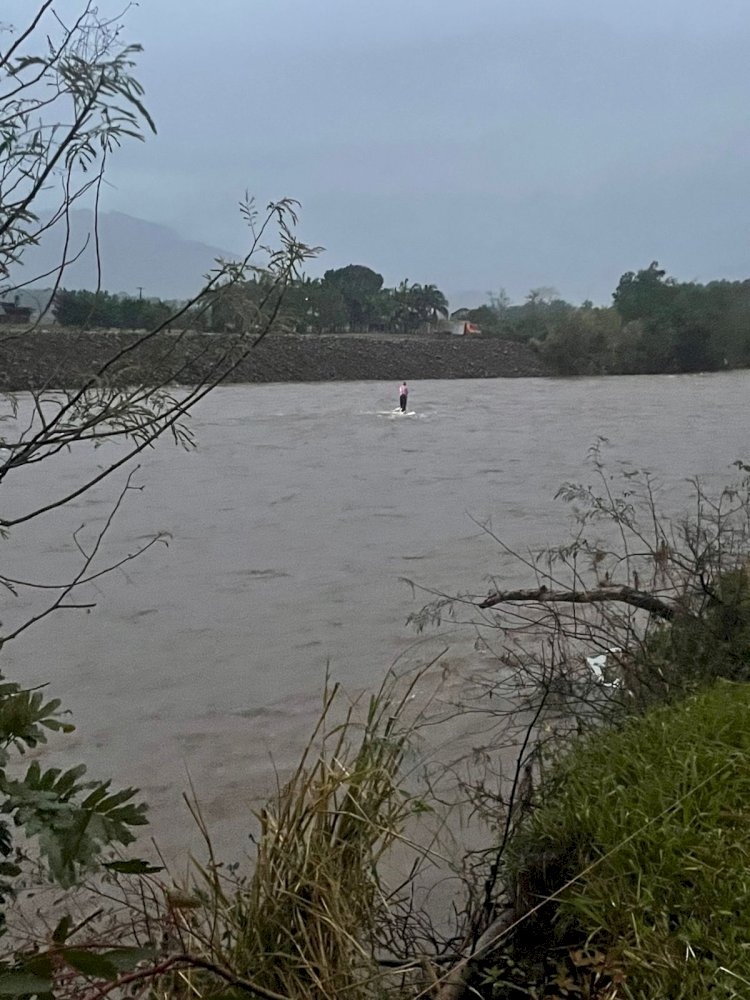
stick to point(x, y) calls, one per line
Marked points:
point(634, 868)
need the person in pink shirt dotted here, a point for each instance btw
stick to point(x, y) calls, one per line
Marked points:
point(403, 395)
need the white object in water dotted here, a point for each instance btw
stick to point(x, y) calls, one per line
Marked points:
point(598, 664)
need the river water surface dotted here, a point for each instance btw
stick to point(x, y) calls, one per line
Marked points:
point(293, 525)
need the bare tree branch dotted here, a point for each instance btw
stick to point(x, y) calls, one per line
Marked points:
point(625, 595)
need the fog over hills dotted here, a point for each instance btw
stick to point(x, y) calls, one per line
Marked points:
point(135, 254)
point(138, 254)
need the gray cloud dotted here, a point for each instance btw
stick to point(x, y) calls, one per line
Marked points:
point(511, 142)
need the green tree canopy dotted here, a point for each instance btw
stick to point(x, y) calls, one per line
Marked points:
point(359, 286)
point(101, 309)
point(645, 294)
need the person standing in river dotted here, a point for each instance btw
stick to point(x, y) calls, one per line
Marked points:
point(403, 395)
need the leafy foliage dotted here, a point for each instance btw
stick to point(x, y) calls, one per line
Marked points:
point(39, 975)
point(100, 309)
point(695, 565)
point(346, 299)
point(63, 110)
point(359, 287)
point(642, 840)
point(70, 819)
point(68, 99)
point(657, 325)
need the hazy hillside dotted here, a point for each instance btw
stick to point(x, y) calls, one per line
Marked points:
point(134, 254)
point(137, 254)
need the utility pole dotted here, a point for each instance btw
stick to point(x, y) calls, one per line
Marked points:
point(140, 291)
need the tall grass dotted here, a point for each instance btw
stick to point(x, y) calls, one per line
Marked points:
point(303, 923)
point(656, 818)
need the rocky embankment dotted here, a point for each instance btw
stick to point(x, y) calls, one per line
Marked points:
point(61, 358)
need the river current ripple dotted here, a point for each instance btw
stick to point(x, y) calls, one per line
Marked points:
point(293, 526)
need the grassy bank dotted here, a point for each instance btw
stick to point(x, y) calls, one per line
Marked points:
point(641, 852)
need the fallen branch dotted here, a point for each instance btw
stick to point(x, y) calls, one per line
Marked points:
point(625, 595)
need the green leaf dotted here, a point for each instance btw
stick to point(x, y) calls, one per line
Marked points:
point(58, 727)
point(89, 963)
point(136, 866)
point(47, 780)
point(126, 959)
point(60, 933)
point(100, 792)
point(33, 774)
point(19, 984)
point(40, 965)
point(115, 800)
point(67, 781)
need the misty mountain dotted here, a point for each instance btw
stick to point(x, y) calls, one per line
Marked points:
point(134, 254)
point(138, 254)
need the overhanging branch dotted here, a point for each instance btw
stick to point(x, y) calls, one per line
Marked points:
point(624, 595)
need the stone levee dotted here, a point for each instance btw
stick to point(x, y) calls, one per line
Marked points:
point(61, 358)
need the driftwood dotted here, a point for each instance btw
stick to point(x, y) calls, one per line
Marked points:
point(625, 595)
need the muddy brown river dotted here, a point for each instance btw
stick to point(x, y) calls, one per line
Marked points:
point(292, 527)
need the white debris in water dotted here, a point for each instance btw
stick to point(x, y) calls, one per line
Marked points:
point(598, 664)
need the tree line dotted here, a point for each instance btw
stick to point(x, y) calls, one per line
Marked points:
point(655, 323)
point(348, 299)
point(103, 309)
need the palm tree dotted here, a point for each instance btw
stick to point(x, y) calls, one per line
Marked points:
point(417, 305)
point(434, 302)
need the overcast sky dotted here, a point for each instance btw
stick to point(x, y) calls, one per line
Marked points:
point(476, 145)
